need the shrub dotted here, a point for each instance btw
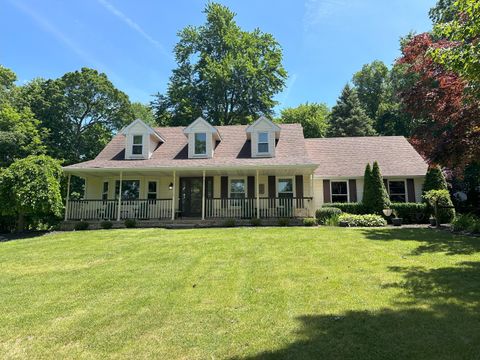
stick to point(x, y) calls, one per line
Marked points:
point(333, 220)
point(283, 222)
point(442, 198)
point(106, 224)
point(229, 223)
point(466, 222)
point(130, 223)
point(375, 196)
point(256, 222)
point(81, 225)
point(435, 180)
point(309, 222)
point(325, 213)
point(351, 208)
point(411, 213)
point(368, 220)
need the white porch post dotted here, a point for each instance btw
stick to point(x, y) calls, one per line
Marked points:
point(203, 196)
point(68, 197)
point(257, 187)
point(174, 189)
point(120, 196)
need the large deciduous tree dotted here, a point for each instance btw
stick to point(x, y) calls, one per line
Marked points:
point(312, 116)
point(31, 187)
point(81, 109)
point(225, 74)
point(447, 129)
point(348, 117)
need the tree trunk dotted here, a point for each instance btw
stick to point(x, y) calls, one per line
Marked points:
point(437, 221)
point(20, 223)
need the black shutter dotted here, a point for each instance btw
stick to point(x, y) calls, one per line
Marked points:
point(385, 182)
point(224, 190)
point(272, 191)
point(209, 187)
point(410, 190)
point(352, 190)
point(327, 198)
point(299, 190)
point(251, 187)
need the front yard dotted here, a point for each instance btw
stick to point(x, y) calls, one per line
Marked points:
point(247, 293)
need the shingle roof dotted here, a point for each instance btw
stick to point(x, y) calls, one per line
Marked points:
point(234, 150)
point(348, 156)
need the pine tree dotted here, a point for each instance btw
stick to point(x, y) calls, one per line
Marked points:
point(376, 197)
point(367, 186)
point(348, 117)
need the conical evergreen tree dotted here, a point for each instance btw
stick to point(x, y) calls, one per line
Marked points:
point(376, 199)
point(367, 185)
point(348, 118)
point(435, 180)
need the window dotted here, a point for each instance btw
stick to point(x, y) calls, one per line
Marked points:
point(285, 188)
point(137, 147)
point(237, 190)
point(105, 191)
point(130, 189)
point(339, 191)
point(396, 189)
point(200, 144)
point(152, 190)
point(263, 143)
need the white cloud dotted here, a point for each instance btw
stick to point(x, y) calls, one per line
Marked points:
point(317, 11)
point(133, 25)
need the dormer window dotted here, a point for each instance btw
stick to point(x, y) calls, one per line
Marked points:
point(201, 143)
point(263, 143)
point(137, 146)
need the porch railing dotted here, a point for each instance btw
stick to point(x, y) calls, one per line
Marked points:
point(108, 209)
point(246, 208)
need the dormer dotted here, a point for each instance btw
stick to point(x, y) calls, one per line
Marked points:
point(263, 135)
point(202, 137)
point(141, 140)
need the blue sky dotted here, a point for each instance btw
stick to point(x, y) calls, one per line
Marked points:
point(324, 41)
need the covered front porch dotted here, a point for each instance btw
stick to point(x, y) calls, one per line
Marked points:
point(152, 194)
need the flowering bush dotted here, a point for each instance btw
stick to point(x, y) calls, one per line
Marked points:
point(368, 220)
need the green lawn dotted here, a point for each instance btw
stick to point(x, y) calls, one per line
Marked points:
point(247, 293)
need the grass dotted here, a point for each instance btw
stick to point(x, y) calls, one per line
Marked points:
point(248, 293)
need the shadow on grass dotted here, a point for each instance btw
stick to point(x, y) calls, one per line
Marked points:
point(437, 317)
point(433, 240)
point(21, 236)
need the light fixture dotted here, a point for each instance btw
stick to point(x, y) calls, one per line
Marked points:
point(170, 187)
point(387, 212)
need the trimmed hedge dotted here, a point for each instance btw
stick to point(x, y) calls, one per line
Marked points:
point(130, 223)
point(411, 213)
point(369, 220)
point(351, 208)
point(325, 213)
point(309, 222)
point(81, 225)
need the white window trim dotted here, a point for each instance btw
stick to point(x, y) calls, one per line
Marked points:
point(195, 143)
point(404, 186)
point(331, 190)
point(278, 178)
point(230, 179)
point(142, 145)
point(263, 142)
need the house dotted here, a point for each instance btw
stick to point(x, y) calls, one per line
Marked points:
point(263, 170)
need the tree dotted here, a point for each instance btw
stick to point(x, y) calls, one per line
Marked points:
point(144, 113)
point(19, 134)
point(442, 12)
point(461, 52)
point(348, 118)
point(441, 203)
point(31, 187)
point(81, 109)
point(375, 196)
point(225, 74)
point(435, 180)
point(7, 82)
point(313, 118)
point(370, 84)
point(447, 118)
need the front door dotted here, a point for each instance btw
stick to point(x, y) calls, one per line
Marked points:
point(191, 195)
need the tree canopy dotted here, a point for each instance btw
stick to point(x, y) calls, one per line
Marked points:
point(225, 74)
point(348, 117)
point(312, 116)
